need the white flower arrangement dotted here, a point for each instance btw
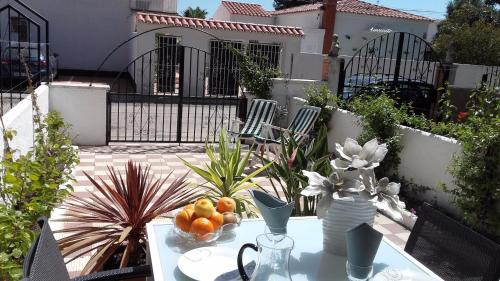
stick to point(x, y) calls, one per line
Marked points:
point(353, 175)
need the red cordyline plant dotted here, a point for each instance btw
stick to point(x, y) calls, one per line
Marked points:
point(115, 216)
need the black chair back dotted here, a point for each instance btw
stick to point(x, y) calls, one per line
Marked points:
point(44, 260)
point(452, 250)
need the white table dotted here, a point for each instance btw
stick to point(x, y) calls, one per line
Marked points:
point(308, 261)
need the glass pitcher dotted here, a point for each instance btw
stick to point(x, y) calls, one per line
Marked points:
point(272, 262)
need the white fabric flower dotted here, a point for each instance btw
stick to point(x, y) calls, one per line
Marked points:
point(350, 148)
point(366, 157)
point(317, 184)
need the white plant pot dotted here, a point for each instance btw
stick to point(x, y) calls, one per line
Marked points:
point(342, 216)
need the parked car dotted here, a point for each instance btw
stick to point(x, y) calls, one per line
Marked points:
point(419, 94)
point(12, 68)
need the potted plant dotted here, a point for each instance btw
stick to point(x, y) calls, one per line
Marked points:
point(111, 222)
point(351, 194)
point(286, 176)
point(225, 176)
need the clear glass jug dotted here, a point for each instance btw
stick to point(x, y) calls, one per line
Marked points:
point(272, 262)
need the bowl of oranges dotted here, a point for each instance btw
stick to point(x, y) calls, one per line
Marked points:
point(204, 222)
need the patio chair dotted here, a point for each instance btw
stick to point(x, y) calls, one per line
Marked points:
point(452, 250)
point(45, 262)
point(261, 111)
point(299, 128)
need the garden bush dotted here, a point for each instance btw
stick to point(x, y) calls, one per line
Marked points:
point(31, 185)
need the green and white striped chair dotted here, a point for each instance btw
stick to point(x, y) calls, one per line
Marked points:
point(261, 112)
point(299, 129)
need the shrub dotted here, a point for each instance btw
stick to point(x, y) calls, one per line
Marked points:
point(476, 170)
point(322, 97)
point(380, 119)
point(32, 185)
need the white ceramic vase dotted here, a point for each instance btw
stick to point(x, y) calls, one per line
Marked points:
point(343, 215)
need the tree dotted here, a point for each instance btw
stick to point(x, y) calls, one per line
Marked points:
point(283, 4)
point(470, 33)
point(195, 12)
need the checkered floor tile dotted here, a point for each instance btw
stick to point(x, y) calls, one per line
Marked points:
point(164, 160)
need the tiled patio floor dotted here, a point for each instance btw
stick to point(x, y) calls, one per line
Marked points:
point(164, 160)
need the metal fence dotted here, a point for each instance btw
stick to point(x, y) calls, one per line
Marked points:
point(24, 42)
point(491, 77)
point(9, 98)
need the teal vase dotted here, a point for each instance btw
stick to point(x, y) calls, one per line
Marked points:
point(274, 211)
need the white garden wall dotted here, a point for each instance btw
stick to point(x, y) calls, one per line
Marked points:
point(20, 119)
point(84, 108)
point(424, 159)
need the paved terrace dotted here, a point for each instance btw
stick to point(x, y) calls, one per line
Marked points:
point(164, 160)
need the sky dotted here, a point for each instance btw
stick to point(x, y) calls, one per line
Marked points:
point(429, 8)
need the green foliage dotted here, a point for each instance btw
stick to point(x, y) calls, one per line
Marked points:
point(322, 97)
point(15, 239)
point(470, 33)
point(197, 12)
point(380, 118)
point(476, 170)
point(255, 77)
point(31, 185)
point(286, 171)
point(225, 174)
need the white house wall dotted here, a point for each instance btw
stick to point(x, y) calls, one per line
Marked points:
point(253, 19)
point(82, 32)
point(193, 38)
point(357, 28)
point(310, 19)
point(222, 13)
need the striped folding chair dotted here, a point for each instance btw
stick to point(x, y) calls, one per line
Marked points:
point(299, 129)
point(261, 112)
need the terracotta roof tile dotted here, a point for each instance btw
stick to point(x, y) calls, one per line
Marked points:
point(354, 7)
point(216, 24)
point(246, 9)
point(363, 8)
point(299, 9)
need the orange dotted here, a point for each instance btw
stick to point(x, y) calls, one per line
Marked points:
point(201, 227)
point(217, 219)
point(183, 220)
point(189, 206)
point(226, 204)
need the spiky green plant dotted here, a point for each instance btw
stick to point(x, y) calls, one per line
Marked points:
point(225, 175)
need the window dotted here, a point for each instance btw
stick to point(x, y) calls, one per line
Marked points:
point(169, 55)
point(19, 25)
point(265, 54)
point(224, 72)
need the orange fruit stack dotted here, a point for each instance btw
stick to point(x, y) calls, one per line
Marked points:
point(202, 218)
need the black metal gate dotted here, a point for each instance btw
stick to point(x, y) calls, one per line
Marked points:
point(24, 42)
point(399, 60)
point(168, 97)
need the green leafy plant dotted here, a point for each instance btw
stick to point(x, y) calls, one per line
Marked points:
point(32, 184)
point(321, 96)
point(476, 170)
point(112, 221)
point(225, 174)
point(254, 77)
point(16, 236)
point(286, 174)
point(380, 119)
